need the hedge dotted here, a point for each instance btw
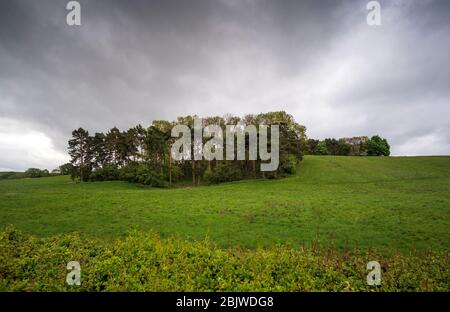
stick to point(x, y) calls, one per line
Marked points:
point(145, 262)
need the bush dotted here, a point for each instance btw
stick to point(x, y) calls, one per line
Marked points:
point(142, 174)
point(145, 262)
point(288, 164)
point(223, 173)
point(107, 173)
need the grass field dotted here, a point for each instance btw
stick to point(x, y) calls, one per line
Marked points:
point(392, 203)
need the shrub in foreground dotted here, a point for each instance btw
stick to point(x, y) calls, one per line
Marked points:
point(145, 262)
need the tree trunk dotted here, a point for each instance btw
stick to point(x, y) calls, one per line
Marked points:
point(170, 169)
point(81, 163)
point(193, 172)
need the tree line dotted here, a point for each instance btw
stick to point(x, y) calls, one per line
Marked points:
point(36, 173)
point(143, 155)
point(356, 146)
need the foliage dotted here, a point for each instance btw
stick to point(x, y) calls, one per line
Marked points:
point(36, 173)
point(289, 164)
point(80, 150)
point(93, 157)
point(223, 173)
point(355, 146)
point(145, 262)
point(142, 174)
point(66, 169)
point(378, 146)
point(322, 148)
point(106, 173)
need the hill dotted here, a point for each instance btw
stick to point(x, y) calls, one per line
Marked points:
point(387, 203)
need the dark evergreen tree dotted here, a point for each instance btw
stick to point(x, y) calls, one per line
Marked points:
point(80, 150)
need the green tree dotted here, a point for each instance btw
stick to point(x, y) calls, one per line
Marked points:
point(66, 169)
point(378, 146)
point(80, 152)
point(36, 173)
point(312, 146)
point(322, 148)
point(165, 127)
point(113, 143)
point(100, 154)
point(343, 148)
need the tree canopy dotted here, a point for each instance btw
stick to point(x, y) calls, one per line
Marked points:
point(143, 155)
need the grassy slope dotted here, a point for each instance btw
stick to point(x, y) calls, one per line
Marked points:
point(400, 203)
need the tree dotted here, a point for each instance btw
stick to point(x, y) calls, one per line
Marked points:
point(378, 146)
point(322, 148)
point(312, 146)
point(55, 172)
point(80, 152)
point(113, 141)
point(36, 173)
point(66, 169)
point(154, 151)
point(343, 148)
point(189, 121)
point(100, 154)
point(165, 127)
point(332, 146)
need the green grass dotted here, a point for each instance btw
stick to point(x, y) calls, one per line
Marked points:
point(392, 203)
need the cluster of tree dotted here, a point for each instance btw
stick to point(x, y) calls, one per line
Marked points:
point(35, 173)
point(143, 155)
point(356, 146)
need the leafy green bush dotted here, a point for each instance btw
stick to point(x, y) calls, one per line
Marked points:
point(223, 173)
point(288, 164)
point(107, 173)
point(145, 262)
point(142, 174)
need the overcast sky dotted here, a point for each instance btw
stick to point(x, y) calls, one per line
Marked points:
point(131, 62)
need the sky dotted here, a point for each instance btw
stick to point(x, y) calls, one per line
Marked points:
point(131, 62)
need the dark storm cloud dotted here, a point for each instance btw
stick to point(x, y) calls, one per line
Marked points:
point(134, 61)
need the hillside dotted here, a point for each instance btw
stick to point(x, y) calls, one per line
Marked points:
point(385, 203)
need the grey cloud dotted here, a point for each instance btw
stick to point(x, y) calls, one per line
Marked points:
point(134, 61)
